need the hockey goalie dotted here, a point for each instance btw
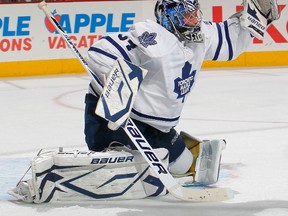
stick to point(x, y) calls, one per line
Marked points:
point(146, 74)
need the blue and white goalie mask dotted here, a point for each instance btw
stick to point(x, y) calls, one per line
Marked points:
point(180, 17)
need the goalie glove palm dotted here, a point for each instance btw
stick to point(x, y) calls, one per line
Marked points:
point(269, 8)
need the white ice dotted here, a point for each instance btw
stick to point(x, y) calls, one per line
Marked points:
point(247, 107)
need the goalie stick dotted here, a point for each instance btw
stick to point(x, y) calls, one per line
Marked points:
point(174, 188)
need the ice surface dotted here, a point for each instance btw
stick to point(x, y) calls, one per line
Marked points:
point(247, 107)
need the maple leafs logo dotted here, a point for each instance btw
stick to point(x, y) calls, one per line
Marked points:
point(182, 86)
point(147, 39)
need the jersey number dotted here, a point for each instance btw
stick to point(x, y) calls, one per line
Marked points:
point(130, 45)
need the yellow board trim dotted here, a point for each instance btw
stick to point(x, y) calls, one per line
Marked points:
point(72, 66)
point(252, 59)
point(40, 68)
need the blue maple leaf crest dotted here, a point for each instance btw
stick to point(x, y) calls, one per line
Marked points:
point(147, 39)
point(182, 85)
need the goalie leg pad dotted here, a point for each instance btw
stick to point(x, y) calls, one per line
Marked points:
point(206, 158)
point(86, 176)
point(208, 162)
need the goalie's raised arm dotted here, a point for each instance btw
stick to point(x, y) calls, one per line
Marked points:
point(257, 15)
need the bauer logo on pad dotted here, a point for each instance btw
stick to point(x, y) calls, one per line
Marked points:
point(112, 160)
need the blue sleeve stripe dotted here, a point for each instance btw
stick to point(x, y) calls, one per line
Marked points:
point(230, 49)
point(154, 117)
point(94, 91)
point(117, 46)
point(219, 43)
point(102, 52)
point(94, 49)
point(96, 78)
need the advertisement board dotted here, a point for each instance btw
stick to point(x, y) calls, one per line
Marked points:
point(29, 44)
point(272, 51)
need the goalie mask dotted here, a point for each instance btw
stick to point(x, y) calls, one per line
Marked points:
point(180, 17)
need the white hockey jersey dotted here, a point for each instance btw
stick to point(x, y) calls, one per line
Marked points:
point(172, 66)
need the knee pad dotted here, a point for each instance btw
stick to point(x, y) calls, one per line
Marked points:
point(182, 164)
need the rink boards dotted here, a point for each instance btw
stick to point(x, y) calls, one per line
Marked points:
point(30, 46)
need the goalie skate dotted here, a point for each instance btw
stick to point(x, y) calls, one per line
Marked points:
point(22, 192)
point(117, 173)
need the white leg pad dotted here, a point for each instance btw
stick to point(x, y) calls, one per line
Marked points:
point(84, 176)
point(208, 162)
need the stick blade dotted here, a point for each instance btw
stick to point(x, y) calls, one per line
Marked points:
point(201, 194)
